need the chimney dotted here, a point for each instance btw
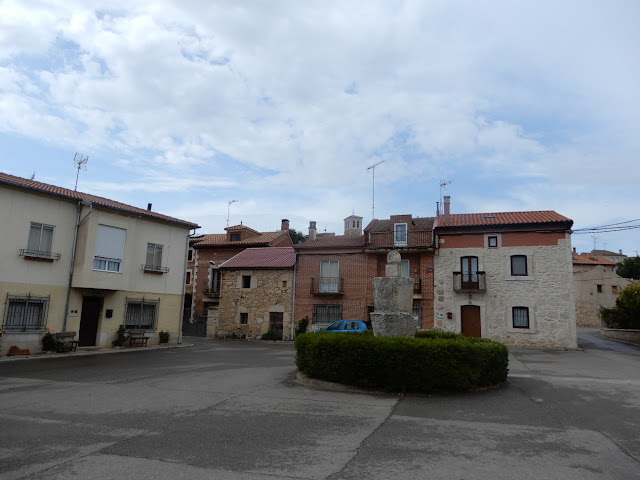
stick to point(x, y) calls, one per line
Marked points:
point(574, 249)
point(148, 206)
point(447, 207)
point(312, 231)
point(285, 224)
point(620, 251)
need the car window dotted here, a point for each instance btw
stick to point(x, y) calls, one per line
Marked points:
point(352, 326)
point(335, 326)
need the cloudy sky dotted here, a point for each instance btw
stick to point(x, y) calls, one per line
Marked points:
point(282, 105)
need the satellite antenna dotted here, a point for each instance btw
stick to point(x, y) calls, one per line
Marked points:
point(228, 207)
point(79, 162)
point(443, 186)
point(373, 202)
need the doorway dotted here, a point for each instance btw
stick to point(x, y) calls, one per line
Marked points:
point(91, 308)
point(470, 321)
point(275, 324)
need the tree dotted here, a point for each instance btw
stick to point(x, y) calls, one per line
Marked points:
point(629, 268)
point(296, 237)
point(626, 313)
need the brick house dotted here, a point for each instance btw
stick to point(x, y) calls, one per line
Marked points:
point(75, 262)
point(206, 254)
point(257, 293)
point(595, 284)
point(334, 272)
point(505, 276)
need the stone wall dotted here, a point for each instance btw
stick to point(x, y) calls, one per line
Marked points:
point(270, 291)
point(545, 291)
point(587, 314)
point(631, 336)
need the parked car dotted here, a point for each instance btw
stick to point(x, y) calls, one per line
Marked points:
point(346, 326)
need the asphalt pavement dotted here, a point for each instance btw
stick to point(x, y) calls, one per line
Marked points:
point(235, 410)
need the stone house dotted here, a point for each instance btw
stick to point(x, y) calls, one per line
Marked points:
point(257, 293)
point(203, 276)
point(505, 276)
point(334, 272)
point(595, 284)
point(76, 262)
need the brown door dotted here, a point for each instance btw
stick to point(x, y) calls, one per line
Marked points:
point(275, 323)
point(91, 307)
point(471, 326)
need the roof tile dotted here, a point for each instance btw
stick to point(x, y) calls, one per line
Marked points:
point(332, 241)
point(502, 218)
point(268, 257)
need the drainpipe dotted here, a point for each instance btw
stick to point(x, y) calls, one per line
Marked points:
point(293, 297)
point(73, 259)
point(184, 281)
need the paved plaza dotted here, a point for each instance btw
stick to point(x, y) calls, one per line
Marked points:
point(234, 410)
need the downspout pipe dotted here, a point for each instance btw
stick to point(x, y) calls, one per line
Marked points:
point(293, 297)
point(184, 281)
point(73, 260)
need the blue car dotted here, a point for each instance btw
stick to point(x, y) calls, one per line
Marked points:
point(347, 326)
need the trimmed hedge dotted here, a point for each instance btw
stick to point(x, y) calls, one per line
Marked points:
point(436, 361)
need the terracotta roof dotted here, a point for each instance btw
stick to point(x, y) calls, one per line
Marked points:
point(236, 228)
point(417, 224)
point(221, 239)
point(503, 219)
point(269, 257)
point(95, 200)
point(589, 259)
point(607, 252)
point(332, 241)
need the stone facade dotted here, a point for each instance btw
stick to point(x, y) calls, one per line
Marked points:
point(268, 292)
point(545, 291)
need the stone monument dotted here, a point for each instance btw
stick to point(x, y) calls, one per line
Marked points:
point(393, 301)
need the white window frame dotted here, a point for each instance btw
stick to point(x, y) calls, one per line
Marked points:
point(329, 283)
point(40, 248)
point(103, 263)
point(405, 267)
point(399, 242)
point(156, 264)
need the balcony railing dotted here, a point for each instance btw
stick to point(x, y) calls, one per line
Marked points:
point(212, 292)
point(417, 286)
point(469, 282)
point(327, 286)
point(39, 255)
point(154, 269)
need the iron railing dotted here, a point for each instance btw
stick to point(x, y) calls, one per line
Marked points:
point(327, 286)
point(417, 286)
point(469, 282)
point(154, 269)
point(40, 254)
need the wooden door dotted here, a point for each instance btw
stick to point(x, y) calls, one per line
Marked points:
point(471, 324)
point(89, 319)
point(275, 324)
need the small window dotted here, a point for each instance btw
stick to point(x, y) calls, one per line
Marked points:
point(520, 317)
point(141, 314)
point(188, 279)
point(493, 241)
point(40, 238)
point(416, 314)
point(244, 318)
point(614, 289)
point(235, 237)
point(599, 288)
point(190, 255)
point(284, 284)
point(246, 281)
point(404, 267)
point(26, 314)
point(519, 265)
point(154, 256)
point(400, 234)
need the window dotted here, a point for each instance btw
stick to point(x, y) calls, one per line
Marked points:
point(329, 276)
point(493, 241)
point(519, 265)
point(235, 237)
point(190, 255)
point(469, 268)
point(599, 288)
point(141, 314)
point(326, 314)
point(244, 318)
point(614, 289)
point(154, 256)
point(284, 284)
point(246, 281)
point(188, 279)
point(214, 275)
point(400, 234)
point(404, 268)
point(26, 314)
point(40, 238)
point(109, 249)
point(520, 317)
point(416, 313)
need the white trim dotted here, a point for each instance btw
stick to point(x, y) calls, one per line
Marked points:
point(397, 243)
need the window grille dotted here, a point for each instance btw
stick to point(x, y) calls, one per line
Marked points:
point(26, 313)
point(326, 314)
point(141, 314)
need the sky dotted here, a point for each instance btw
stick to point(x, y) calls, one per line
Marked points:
point(284, 106)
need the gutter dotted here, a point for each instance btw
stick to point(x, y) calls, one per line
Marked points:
point(184, 282)
point(293, 296)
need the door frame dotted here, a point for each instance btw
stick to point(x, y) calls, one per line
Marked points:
point(483, 316)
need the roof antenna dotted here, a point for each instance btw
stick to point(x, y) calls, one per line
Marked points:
point(373, 203)
point(79, 162)
point(228, 207)
point(443, 185)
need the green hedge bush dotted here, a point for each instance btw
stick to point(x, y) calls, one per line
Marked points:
point(436, 361)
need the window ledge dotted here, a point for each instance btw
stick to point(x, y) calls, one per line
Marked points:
point(154, 270)
point(528, 278)
point(39, 256)
point(522, 330)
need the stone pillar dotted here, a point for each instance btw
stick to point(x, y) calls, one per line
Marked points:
point(393, 301)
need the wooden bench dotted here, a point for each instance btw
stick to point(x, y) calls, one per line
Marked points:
point(138, 338)
point(65, 342)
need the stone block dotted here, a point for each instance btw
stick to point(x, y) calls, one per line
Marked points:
point(393, 294)
point(393, 324)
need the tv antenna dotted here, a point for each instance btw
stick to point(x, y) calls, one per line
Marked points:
point(228, 209)
point(79, 162)
point(443, 186)
point(373, 202)
point(595, 242)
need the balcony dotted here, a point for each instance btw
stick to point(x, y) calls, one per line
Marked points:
point(327, 286)
point(212, 293)
point(417, 286)
point(469, 282)
point(155, 269)
point(39, 255)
